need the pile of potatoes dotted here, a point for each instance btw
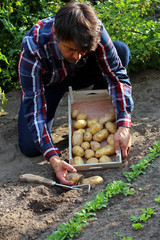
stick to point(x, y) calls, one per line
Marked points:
point(88, 134)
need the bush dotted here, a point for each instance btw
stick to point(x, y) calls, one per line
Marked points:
point(16, 18)
point(136, 23)
point(133, 22)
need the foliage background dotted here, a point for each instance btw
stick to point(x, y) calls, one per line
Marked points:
point(134, 22)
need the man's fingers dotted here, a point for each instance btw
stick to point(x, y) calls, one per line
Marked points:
point(69, 167)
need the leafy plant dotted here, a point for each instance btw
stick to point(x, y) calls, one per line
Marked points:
point(3, 102)
point(143, 163)
point(134, 22)
point(16, 18)
point(137, 226)
point(157, 199)
point(87, 213)
point(146, 214)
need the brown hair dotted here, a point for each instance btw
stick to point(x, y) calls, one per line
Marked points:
point(79, 23)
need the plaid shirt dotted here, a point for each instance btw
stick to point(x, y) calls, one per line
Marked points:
point(42, 64)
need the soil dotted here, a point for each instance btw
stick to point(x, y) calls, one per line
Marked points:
point(33, 211)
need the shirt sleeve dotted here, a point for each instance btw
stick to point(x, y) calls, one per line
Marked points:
point(119, 85)
point(34, 104)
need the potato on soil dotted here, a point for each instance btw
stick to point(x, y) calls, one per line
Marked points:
point(77, 138)
point(78, 160)
point(75, 177)
point(91, 121)
point(74, 113)
point(108, 117)
point(92, 160)
point(82, 116)
point(80, 124)
point(104, 159)
point(95, 145)
point(96, 127)
point(110, 127)
point(78, 151)
point(89, 153)
point(85, 145)
point(110, 139)
point(101, 135)
point(95, 180)
point(87, 136)
point(107, 150)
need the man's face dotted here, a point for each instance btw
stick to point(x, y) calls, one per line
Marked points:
point(70, 51)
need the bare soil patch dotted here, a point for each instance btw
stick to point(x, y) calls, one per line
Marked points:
point(32, 211)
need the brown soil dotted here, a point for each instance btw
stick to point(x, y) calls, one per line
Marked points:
point(33, 211)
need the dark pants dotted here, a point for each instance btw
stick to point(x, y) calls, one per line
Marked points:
point(89, 75)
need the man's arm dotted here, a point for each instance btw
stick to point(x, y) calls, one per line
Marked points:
point(119, 88)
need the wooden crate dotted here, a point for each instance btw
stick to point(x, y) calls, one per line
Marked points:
point(95, 103)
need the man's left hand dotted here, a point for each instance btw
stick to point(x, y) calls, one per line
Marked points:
point(122, 140)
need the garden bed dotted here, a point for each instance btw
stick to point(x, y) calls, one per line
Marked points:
point(32, 211)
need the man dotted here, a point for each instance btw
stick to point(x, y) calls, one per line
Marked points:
point(69, 49)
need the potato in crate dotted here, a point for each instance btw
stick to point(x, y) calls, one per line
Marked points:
point(91, 117)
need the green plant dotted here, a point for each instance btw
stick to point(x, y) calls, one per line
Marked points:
point(157, 199)
point(87, 213)
point(16, 18)
point(146, 214)
point(143, 163)
point(134, 22)
point(3, 102)
point(137, 226)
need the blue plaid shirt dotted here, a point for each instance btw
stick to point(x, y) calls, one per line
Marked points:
point(42, 64)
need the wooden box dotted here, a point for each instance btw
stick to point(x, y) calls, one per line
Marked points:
point(95, 103)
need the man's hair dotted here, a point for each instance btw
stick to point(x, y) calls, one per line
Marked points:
point(79, 23)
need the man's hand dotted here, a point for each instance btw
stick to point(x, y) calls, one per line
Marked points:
point(61, 168)
point(122, 140)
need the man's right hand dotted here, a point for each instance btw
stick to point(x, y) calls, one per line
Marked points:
point(61, 169)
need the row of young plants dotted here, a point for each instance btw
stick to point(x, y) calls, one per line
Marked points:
point(72, 228)
point(134, 22)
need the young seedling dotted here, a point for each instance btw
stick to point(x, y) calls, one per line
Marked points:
point(146, 214)
point(87, 213)
point(157, 199)
point(143, 163)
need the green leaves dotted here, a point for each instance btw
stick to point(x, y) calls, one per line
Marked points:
point(143, 164)
point(81, 218)
point(146, 214)
point(135, 23)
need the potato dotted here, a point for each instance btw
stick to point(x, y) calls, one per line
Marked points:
point(74, 113)
point(95, 145)
point(107, 150)
point(87, 136)
point(104, 159)
point(96, 127)
point(75, 177)
point(78, 151)
point(92, 160)
point(91, 121)
point(110, 127)
point(80, 124)
point(110, 139)
point(88, 153)
point(81, 116)
point(77, 138)
point(95, 180)
point(85, 145)
point(101, 135)
point(108, 117)
point(78, 160)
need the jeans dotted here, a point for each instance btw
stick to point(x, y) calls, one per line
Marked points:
point(88, 75)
